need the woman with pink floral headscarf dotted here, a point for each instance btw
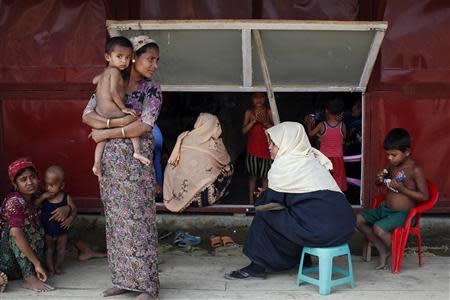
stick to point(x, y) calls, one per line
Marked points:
point(22, 239)
point(21, 235)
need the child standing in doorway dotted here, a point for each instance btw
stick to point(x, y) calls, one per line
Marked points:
point(110, 92)
point(332, 133)
point(256, 120)
point(56, 233)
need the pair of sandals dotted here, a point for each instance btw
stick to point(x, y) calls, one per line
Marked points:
point(184, 239)
point(218, 241)
point(3, 282)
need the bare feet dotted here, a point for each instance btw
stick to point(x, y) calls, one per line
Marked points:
point(88, 254)
point(145, 296)
point(59, 271)
point(97, 169)
point(34, 284)
point(113, 292)
point(142, 158)
point(51, 268)
point(384, 259)
point(3, 282)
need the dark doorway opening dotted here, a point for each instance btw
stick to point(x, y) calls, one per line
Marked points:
point(180, 110)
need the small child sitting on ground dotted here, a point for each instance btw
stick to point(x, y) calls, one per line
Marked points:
point(332, 133)
point(56, 233)
point(110, 92)
point(407, 186)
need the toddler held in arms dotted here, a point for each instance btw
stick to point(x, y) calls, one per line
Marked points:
point(110, 92)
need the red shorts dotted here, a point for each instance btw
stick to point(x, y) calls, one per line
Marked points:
point(338, 172)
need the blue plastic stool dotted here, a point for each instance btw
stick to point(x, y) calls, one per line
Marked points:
point(326, 268)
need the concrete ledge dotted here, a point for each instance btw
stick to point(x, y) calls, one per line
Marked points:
point(434, 225)
point(435, 230)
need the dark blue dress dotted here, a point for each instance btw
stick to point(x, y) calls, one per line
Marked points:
point(53, 227)
point(158, 137)
point(316, 219)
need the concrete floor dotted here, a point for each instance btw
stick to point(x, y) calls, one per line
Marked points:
point(199, 274)
point(201, 277)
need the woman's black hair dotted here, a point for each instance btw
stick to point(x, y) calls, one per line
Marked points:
point(397, 139)
point(335, 106)
point(146, 47)
point(20, 173)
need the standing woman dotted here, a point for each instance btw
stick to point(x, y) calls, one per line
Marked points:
point(127, 187)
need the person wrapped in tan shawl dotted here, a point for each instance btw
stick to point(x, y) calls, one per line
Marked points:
point(199, 169)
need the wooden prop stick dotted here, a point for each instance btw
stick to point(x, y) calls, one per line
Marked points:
point(265, 71)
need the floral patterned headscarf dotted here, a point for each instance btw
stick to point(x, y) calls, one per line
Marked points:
point(18, 165)
point(140, 41)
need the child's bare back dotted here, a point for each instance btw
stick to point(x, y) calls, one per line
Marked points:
point(109, 94)
point(397, 200)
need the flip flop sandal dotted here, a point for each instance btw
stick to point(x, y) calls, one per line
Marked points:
point(241, 274)
point(179, 237)
point(387, 265)
point(215, 241)
point(4, 278)
point(186, 245)
point(178, 233)
point(184, 239)
point(227, 241)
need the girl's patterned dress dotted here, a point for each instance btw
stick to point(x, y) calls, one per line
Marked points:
point(16, 212)
point(127, 189)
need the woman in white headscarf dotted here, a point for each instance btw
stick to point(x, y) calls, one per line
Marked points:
point(311, 209)
point(199, 169)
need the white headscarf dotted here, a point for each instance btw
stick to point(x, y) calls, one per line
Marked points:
point(298, 167)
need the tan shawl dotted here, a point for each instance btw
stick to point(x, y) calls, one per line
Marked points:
point(298, 167)
point(195, 162)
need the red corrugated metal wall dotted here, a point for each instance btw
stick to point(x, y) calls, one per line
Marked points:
point(410, 88)
point(51, 49)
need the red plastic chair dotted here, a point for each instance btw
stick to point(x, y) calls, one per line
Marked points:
point(400, 234)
